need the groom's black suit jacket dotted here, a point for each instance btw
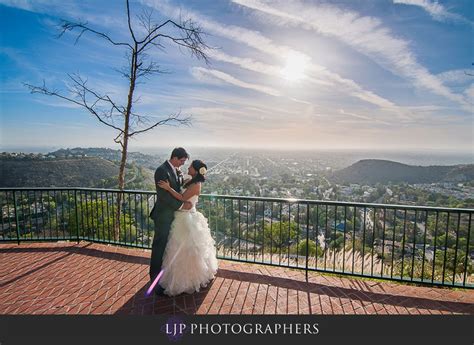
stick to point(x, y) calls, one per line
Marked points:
point(166, 204)
point(163, 215)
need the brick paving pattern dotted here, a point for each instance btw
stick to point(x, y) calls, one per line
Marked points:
point(90, 278)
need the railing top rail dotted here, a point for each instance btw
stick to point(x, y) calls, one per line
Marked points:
point(8, 189)
point(341, 203)
point(253, 198)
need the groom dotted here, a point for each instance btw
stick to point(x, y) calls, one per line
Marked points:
point(164, 208)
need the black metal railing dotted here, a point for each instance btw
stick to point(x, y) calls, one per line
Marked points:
point(428, 245)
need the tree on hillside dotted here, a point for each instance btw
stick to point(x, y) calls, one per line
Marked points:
point(144, 34)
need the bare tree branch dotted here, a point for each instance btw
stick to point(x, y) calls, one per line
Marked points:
point(152, 32)
point(71, 26)
point(80, 94)
point(118, 140)
point(130, 24)
point(151, 68)
point(172, 120)
point(191, 38)
point(81, 84)
point(145, 20)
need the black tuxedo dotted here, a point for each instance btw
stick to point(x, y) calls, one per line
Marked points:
point(163, 215)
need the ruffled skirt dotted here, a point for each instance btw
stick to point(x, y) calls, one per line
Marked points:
point(189, 261)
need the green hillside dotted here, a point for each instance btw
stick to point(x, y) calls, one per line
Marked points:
point(74, 172)
point(372, 171)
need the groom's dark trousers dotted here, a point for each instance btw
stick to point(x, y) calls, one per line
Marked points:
point(163, 215)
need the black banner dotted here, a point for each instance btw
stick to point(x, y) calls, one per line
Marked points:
point(217, 329)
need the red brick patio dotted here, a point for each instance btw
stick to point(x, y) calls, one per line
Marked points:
point(89, 278)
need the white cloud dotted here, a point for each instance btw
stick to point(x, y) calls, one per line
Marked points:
point(435, 10)
point(365, 34)
point(223, 98)
point(231, 116)
point(247, 63)
point(363, 117)
point(459, 76)
point(70, 9)
point(56, 103)
point(253, 39)
point(202, 75)
point(470, 94)
point(241, 118)
point(234, 81)
point(319, 74)
point(59, 126)
point(28, 5)
point(21, 61)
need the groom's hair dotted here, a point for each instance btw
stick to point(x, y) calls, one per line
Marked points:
point(179, 153)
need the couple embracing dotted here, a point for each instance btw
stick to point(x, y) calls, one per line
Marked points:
point(182, 245)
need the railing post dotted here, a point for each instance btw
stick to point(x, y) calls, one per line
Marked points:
point(16, 218)
point(307, 240)
point(77, 215)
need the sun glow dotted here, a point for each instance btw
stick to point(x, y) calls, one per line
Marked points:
point(295, 67)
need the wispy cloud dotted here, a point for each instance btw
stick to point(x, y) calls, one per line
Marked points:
point(363, 117)
point(54, 102)
point(226, 99)
point(234, 81)
point(435, 10)
point(343, 98)
point(458, 76)
point(255, 40)
point(247, 63)
point(470, 93)
point(272, 70)
point(22, 63)
point(68, 9)
point(224, 114)
point(365, 34)
point(319, 74)
point(59, 125)
point(32, 6)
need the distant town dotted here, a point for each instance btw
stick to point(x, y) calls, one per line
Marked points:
point(397, 241)
point(276, 174)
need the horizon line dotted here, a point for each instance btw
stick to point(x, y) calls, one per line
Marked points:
point(24, 149)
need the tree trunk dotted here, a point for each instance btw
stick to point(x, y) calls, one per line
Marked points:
point(124, 143)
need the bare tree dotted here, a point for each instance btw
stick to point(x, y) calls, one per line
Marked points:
point(120, 116)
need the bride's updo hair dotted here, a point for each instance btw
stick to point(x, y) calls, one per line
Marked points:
point(201, 170)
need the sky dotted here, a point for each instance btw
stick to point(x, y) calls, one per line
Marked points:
point(361, 74)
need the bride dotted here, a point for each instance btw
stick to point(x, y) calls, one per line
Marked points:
point(189, 261)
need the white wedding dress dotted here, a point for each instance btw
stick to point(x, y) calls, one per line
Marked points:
point(189, 261)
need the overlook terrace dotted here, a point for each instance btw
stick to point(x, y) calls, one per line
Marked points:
point(275, 256)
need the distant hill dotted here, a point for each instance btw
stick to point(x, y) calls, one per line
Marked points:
point(144, 160)
point(372, 171)
point(67, 172)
